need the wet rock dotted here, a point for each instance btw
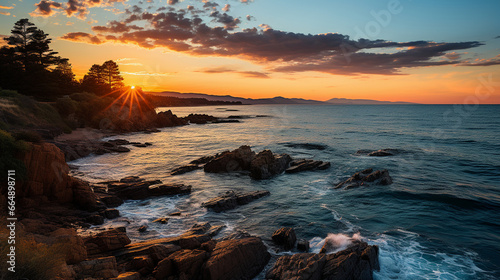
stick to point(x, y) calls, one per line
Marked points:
point(266, 164)
point(356, 262)
point(184, 169)
point(231, 200)
point(161, 221)
point(203, 160)
point(174, 189)
point(128, 276)
point(379, 153)
point(142, 228)
point(175, 214)
point(301, 165)
point(138, 188)
point(303, 245)
point(140, 145)
point(236, 259)
point(167, 119)
point(119, 142)
point(200, 118)
point(131, 179)
point(365, 178)
point(285, 237)
point(110, 200)
point(236, 160)
point(111, 213)
point(95, 219)
point(307, 146)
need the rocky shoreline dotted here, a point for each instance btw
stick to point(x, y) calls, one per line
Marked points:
point(53, 205)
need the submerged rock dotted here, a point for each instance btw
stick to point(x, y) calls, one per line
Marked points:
point(363, 178)
point(379, 153)
point(301, 165)
point(231, 200)
point(307, 146)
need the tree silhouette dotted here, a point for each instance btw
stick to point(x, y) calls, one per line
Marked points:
point(39, 48)
point(111, 75)
point(22, 35)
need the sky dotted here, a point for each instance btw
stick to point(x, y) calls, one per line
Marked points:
point(394, 50)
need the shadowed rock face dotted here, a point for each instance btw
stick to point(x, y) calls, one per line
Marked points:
point(285, 237)
point(365, 178)
point(236, 259)
point(236, 160)
point(356, 262)
point(266, 164)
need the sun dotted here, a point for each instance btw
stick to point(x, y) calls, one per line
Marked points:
point(132, 87)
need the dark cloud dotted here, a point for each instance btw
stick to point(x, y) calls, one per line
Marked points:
point(223, 69)
point(172, 2)
point(497, 37)
point(283, 51)
point(82, 37)
point(46, 8)
point(249, 17)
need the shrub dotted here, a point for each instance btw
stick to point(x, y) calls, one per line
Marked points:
point(11, 150)
point(66, 106)
point(28, 136)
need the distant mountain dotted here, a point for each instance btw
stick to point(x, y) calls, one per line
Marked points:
point(275, 100)
point(246, 101)
point(345, 101)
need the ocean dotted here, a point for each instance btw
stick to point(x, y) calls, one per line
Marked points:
point(440, 219)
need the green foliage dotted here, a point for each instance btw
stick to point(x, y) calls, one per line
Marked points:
point(28, 136)
point(66, 106)
point(10, 152)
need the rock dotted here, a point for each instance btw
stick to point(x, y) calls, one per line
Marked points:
point(183, 263)
point(238, 234)
point(200, 118)
point(266, 164)
point(111, 213)
point(236, 259)
point(97, 268)
point(160, 190)
point(167, 119)
point(303, 245)
point(299, 266)
point(231, 200)
point(119, 149)
point(236, 160)
point(161, 220)
point(307, 165)
point(285, 237)
point(131, 179)
point(363, 178)
point(307, 146)
point(203, 160)
point(106, 241)
point(208, 246)
point(175, 214)
point(184, 169)
point(110, 200)
point(140, 145)
point(119, 142)
point(128, 276)
point(380, 153)
point(95, 219)
point(149, 144)
point(145, 264)
point(143, 228)
point(356, 262)
point(68, 241)
point(83, 196)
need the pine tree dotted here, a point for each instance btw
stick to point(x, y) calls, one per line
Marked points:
point(22, 35)
point(39, 48)
point(111, 75)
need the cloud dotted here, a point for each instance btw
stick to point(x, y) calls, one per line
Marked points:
point(6, 8)
point(280, 51)
point(172, 2)
point(497, 37)
point(453, 56)
point(144, 73)
point(5, 13)
point(249, 17)
point(82, 37)
point(483, 62)
point(78, 8)
point(226, 8)
point(225, 69)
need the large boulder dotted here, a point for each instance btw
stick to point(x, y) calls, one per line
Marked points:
point(236, 160)
point(236, 259)
point(185, 264)
point(356, 262)
point(231, 200)
point(266, 164)
point(365, 178)
point(285, 237)
point(106, 241)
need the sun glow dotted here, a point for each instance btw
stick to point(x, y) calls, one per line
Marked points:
point(132, 87)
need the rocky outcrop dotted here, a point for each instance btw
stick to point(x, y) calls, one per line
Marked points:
point(186, 264)
point(200, 118)
point(106, 241)
point(101, 268)
point(285, 237)
point(236, 259)
point(236, 160)
point(303, 245)
point(168, 119)
point(231, 200)
point(72, 245)
point(266, 164)
point(356, 262)
point(379, 153)
point(135, 188)
point(301, 165)
point(184, 169)
point(365, 178)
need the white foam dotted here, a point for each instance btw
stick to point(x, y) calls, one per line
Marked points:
point(337, 241)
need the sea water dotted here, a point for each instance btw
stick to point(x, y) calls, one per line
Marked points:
point(440, 219)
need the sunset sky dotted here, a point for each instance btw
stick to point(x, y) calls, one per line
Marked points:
point(417, 51)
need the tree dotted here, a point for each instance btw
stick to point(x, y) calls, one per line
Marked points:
point(39, 48)
point(22, 35)
point(111, 75)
